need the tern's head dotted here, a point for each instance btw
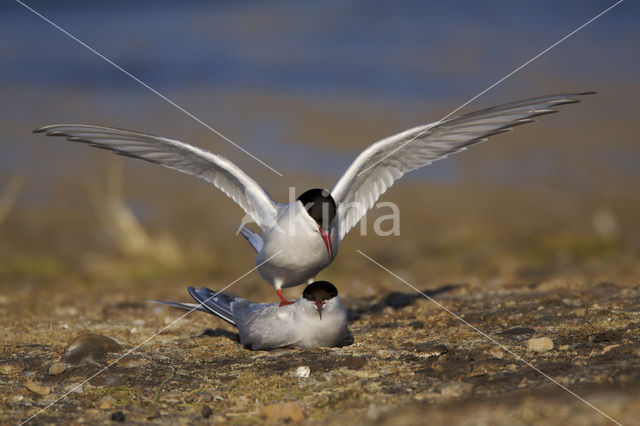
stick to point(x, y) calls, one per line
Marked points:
point(321, 207)
point(321, 297)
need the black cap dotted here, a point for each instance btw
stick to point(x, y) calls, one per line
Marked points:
point(320, 290)
point(314, 201)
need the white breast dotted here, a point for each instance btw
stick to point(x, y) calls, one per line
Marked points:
point(302, 253)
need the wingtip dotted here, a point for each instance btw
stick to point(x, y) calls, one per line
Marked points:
point(47, 130)
point(570, 100)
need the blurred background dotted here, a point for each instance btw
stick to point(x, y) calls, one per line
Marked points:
point(305, 86)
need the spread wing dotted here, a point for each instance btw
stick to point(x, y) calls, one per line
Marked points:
point(225, 175)
point(384, 162)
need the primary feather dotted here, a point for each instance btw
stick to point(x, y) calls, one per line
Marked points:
point(213, 168)
point(384, 162)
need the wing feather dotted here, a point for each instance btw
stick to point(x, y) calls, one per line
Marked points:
point(213, 168)
point(385, 161)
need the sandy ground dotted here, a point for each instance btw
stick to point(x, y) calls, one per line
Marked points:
point(556, 261)
point(411, 361)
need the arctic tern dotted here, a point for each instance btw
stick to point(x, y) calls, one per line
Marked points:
point(316, 319)
point(301, 238)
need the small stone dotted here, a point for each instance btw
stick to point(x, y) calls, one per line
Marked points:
point(291, 411)
point(36, 388)
point(384, 354)
point(57, 368)
point(9, 369)
point(118, 416)
point(74, 388)
point(539, 344)
point(367, 374)
point(206, 411)
point(89, 347)
point(580, 312)
point(106, 402)
point(454, 389)
point(608, 348)
point(303, 371)
point(496, 353)
point(205, 396)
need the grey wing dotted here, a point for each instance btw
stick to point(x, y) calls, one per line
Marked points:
point(213, 168)
point(267, 326)
point(385, 161)
point(185, 306)
point(218, 304)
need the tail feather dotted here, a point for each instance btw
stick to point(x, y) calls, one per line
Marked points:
point(218, 304)
point(254, 238)
point(186, 306)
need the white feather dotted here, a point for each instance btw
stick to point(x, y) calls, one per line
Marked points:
point(384, 162)
point(213, 168)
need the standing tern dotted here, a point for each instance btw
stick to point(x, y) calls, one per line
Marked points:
point(301, 238)
point(316, 319)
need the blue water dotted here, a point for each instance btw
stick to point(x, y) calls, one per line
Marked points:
point(399, 53)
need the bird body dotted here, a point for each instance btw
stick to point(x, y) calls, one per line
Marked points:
point(317, 319)
point(302, 251)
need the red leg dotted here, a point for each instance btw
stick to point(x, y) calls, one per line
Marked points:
point(283, 301)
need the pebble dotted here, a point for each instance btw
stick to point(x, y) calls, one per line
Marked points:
point(74, 388)
point(303, 371)
point(608, 348)
point(205, 396)
point(497, 353)
point(367, 374)
point(106, 402)
point(9, 369)
point(118, 416)
point(89, 347)
point(539, 344)
point(454, 389)
point(426, 350)
point(580, 312)
point(291, 411)
point(38, 389)
point(57, 368)
point(206, 411)
point(384, 354)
